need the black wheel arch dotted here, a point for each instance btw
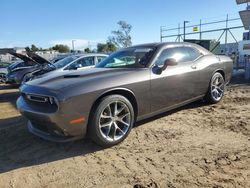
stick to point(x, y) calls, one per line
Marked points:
point(221, 71)
point(117, 91)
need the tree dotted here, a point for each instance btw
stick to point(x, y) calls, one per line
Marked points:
point(61, 48)
point(87, 50)
point(27, 49)
point(122, 38)
point(106, 48)
point(34, 48)
point(101, 47)
point(111, 47)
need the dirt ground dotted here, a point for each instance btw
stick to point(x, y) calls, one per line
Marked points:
point(198, 145)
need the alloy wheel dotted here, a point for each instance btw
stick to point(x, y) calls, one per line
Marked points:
point(2, 78)
point(217, 87)
point(114, 121)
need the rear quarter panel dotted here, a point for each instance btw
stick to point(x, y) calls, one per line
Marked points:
point(228, 67)
point(207, 66)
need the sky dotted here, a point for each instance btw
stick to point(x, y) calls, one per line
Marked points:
point(49, 22)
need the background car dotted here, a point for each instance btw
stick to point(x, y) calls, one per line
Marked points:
point(3, 71)
point(130, 85)
point(72, 62)
point(29, 64)
point(33, 65)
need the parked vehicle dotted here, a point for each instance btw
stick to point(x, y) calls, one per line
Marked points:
point(58, 58)
point(72, 62)
point(3, 71)
point(130, 85)
point(33, 65)
point(28, 64)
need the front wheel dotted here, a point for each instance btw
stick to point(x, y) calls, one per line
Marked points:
point(2, 78)
point(216, 89)
point(111, 120)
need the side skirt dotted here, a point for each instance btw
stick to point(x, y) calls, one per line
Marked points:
point(169, 108)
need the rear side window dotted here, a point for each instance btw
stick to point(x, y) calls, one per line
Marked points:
point(180, 54)
point(88, 61)
point(193, 53)
point(100, 58)
point(84, 62)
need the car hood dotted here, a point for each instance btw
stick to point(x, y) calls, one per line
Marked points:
point(22, 57)
point(57, 81)
point(38, 58)
point(29, 56)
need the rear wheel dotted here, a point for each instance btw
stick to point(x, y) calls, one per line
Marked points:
point(111, 121)
point(216, 89)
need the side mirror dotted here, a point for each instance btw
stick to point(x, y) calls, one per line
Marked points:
point(167, 62)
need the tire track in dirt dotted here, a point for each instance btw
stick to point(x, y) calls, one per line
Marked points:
point(194, 146)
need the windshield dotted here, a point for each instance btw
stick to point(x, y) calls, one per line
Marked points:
point(128, 58)
point(65, 61)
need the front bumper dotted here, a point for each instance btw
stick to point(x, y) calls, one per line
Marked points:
point(50, 135)
point(11, 80)
point(50, 123)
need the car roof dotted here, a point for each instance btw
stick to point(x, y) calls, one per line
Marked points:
point(176, 44)
point(89, 54)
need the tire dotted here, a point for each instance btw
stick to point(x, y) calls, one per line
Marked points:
point(111, 120)
point(216, 89)
point(2, 78)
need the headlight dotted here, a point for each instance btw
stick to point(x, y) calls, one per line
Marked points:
point(53, 100)
point(41, 99)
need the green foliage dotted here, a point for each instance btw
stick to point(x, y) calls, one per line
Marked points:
point(27, 48)
point(122, 38)
point(87, 50)
point(106, 48)
point(61, 48)
point(34, 48)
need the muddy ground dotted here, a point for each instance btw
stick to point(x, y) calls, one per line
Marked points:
point(197, 145)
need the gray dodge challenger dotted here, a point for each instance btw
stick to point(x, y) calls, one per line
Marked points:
point(130, 85)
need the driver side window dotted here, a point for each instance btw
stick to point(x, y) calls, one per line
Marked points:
point(165, 54)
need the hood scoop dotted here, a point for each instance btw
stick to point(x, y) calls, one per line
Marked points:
point(72, 76)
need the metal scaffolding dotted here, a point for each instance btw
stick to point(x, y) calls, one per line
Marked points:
point(181, 31)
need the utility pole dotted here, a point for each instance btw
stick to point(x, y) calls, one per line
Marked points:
point(200, 30)
point(89, 46)
point(73, 45)
point(226, 35)
point(160, 34)
point(184, 30)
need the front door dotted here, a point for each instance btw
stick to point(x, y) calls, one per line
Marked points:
point(177, 83)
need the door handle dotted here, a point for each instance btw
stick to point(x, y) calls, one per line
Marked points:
point(194, 67)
